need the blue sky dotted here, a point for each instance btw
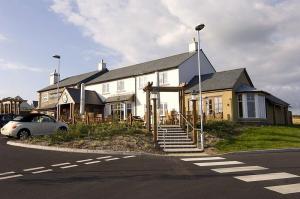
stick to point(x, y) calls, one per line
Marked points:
point(260, 35)
point(32, 34)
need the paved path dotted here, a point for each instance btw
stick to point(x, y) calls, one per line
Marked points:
point(30, 173)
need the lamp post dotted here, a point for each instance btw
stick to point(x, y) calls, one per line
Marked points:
point(198, 28)
point(154, 98)
point(194, 115)
point(57, 85)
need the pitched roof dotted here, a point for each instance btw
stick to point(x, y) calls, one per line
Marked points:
point(74, 80)
point(276, 100)
point(144, 68)
point(216, 81)
point(91, 97)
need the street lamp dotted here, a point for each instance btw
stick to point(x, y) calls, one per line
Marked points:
point(155, 130)
point(57, 85)
point(198, 28)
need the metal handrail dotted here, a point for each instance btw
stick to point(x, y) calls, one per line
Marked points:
point(196, 129)
point(164, 137)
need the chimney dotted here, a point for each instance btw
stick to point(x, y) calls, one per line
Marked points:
point(101, 65)
point(193, 47)
point(53, 78)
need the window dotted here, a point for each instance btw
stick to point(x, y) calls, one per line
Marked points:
point(45, 98)
point(218, 105)
point(251, 105)
point(120, 85)
point(163, 108)
point(209, 107)
point(118, 111)
point(142, 82)
point(128, 109)
point(240, 105)
point(105, 88)
point(163, 78)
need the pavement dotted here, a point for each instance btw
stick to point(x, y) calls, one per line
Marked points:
point(31, 173)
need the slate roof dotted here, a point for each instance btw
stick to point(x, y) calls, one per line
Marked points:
point(276, 100)
point(74, 80)
point(143, 68)
point(91, 97)
point(216, 81)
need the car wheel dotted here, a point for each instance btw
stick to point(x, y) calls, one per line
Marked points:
point(23, 134)
point(62, 129)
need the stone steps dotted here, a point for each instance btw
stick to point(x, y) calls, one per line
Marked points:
point(173, 139)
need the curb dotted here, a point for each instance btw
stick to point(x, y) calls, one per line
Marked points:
point(72, 150)
point(264, 151)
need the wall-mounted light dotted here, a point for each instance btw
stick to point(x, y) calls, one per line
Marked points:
point(194, 96)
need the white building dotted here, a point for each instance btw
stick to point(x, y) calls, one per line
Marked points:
point(122, 89)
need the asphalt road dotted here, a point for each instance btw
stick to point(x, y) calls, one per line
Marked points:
point(40, 174)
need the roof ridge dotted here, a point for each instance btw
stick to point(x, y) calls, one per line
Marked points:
point(151, 60)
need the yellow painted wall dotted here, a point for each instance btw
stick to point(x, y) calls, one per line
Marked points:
point(226, 102)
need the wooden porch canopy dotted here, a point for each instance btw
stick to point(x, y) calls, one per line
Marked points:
point(157, 89)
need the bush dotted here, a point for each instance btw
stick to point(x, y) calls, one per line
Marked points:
point(222, 129)
point(93, 131)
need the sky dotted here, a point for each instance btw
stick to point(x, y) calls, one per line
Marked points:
point(259, 35)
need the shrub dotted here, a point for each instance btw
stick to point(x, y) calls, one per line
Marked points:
point(221, 129)
point(94, 131)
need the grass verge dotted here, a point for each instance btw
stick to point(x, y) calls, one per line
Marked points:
point(250, 138)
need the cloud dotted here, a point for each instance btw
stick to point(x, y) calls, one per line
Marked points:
point(261, 35)
point(6, 65)
point(3, 38)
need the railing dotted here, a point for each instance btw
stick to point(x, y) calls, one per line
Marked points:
point(190, 126)
point(164, 136)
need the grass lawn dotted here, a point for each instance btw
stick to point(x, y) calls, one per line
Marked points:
point(266, 137)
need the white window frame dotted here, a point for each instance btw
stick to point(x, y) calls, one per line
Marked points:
point(142, 81)
point(218, 104)
point(163, 78)
point(46, 97)
point(105, 88)
point(163, 107)
point(120, 86)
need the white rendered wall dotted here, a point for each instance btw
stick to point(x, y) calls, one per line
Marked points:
point(171, 98)
point(129, 88)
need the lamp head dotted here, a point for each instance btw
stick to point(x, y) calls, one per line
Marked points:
point(56, 56)
point(199, 27)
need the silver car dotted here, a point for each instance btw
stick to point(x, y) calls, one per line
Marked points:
point(33, 124)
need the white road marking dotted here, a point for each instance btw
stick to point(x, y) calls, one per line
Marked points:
point(60, 164)
point(129, 156)
point(203, 159)
point(104, 157)
point(70, 166)
point(14, 176)
point(286, 189)
point(205, 164)
point(86, 160)
point(7, 173)
point(42, 171)
point(32, 169)
point(268, 176)
point(94, 162)
point(239, 169)
point(112, 159)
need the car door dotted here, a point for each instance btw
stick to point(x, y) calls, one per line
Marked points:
point(33, 125)
point(48, 125)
